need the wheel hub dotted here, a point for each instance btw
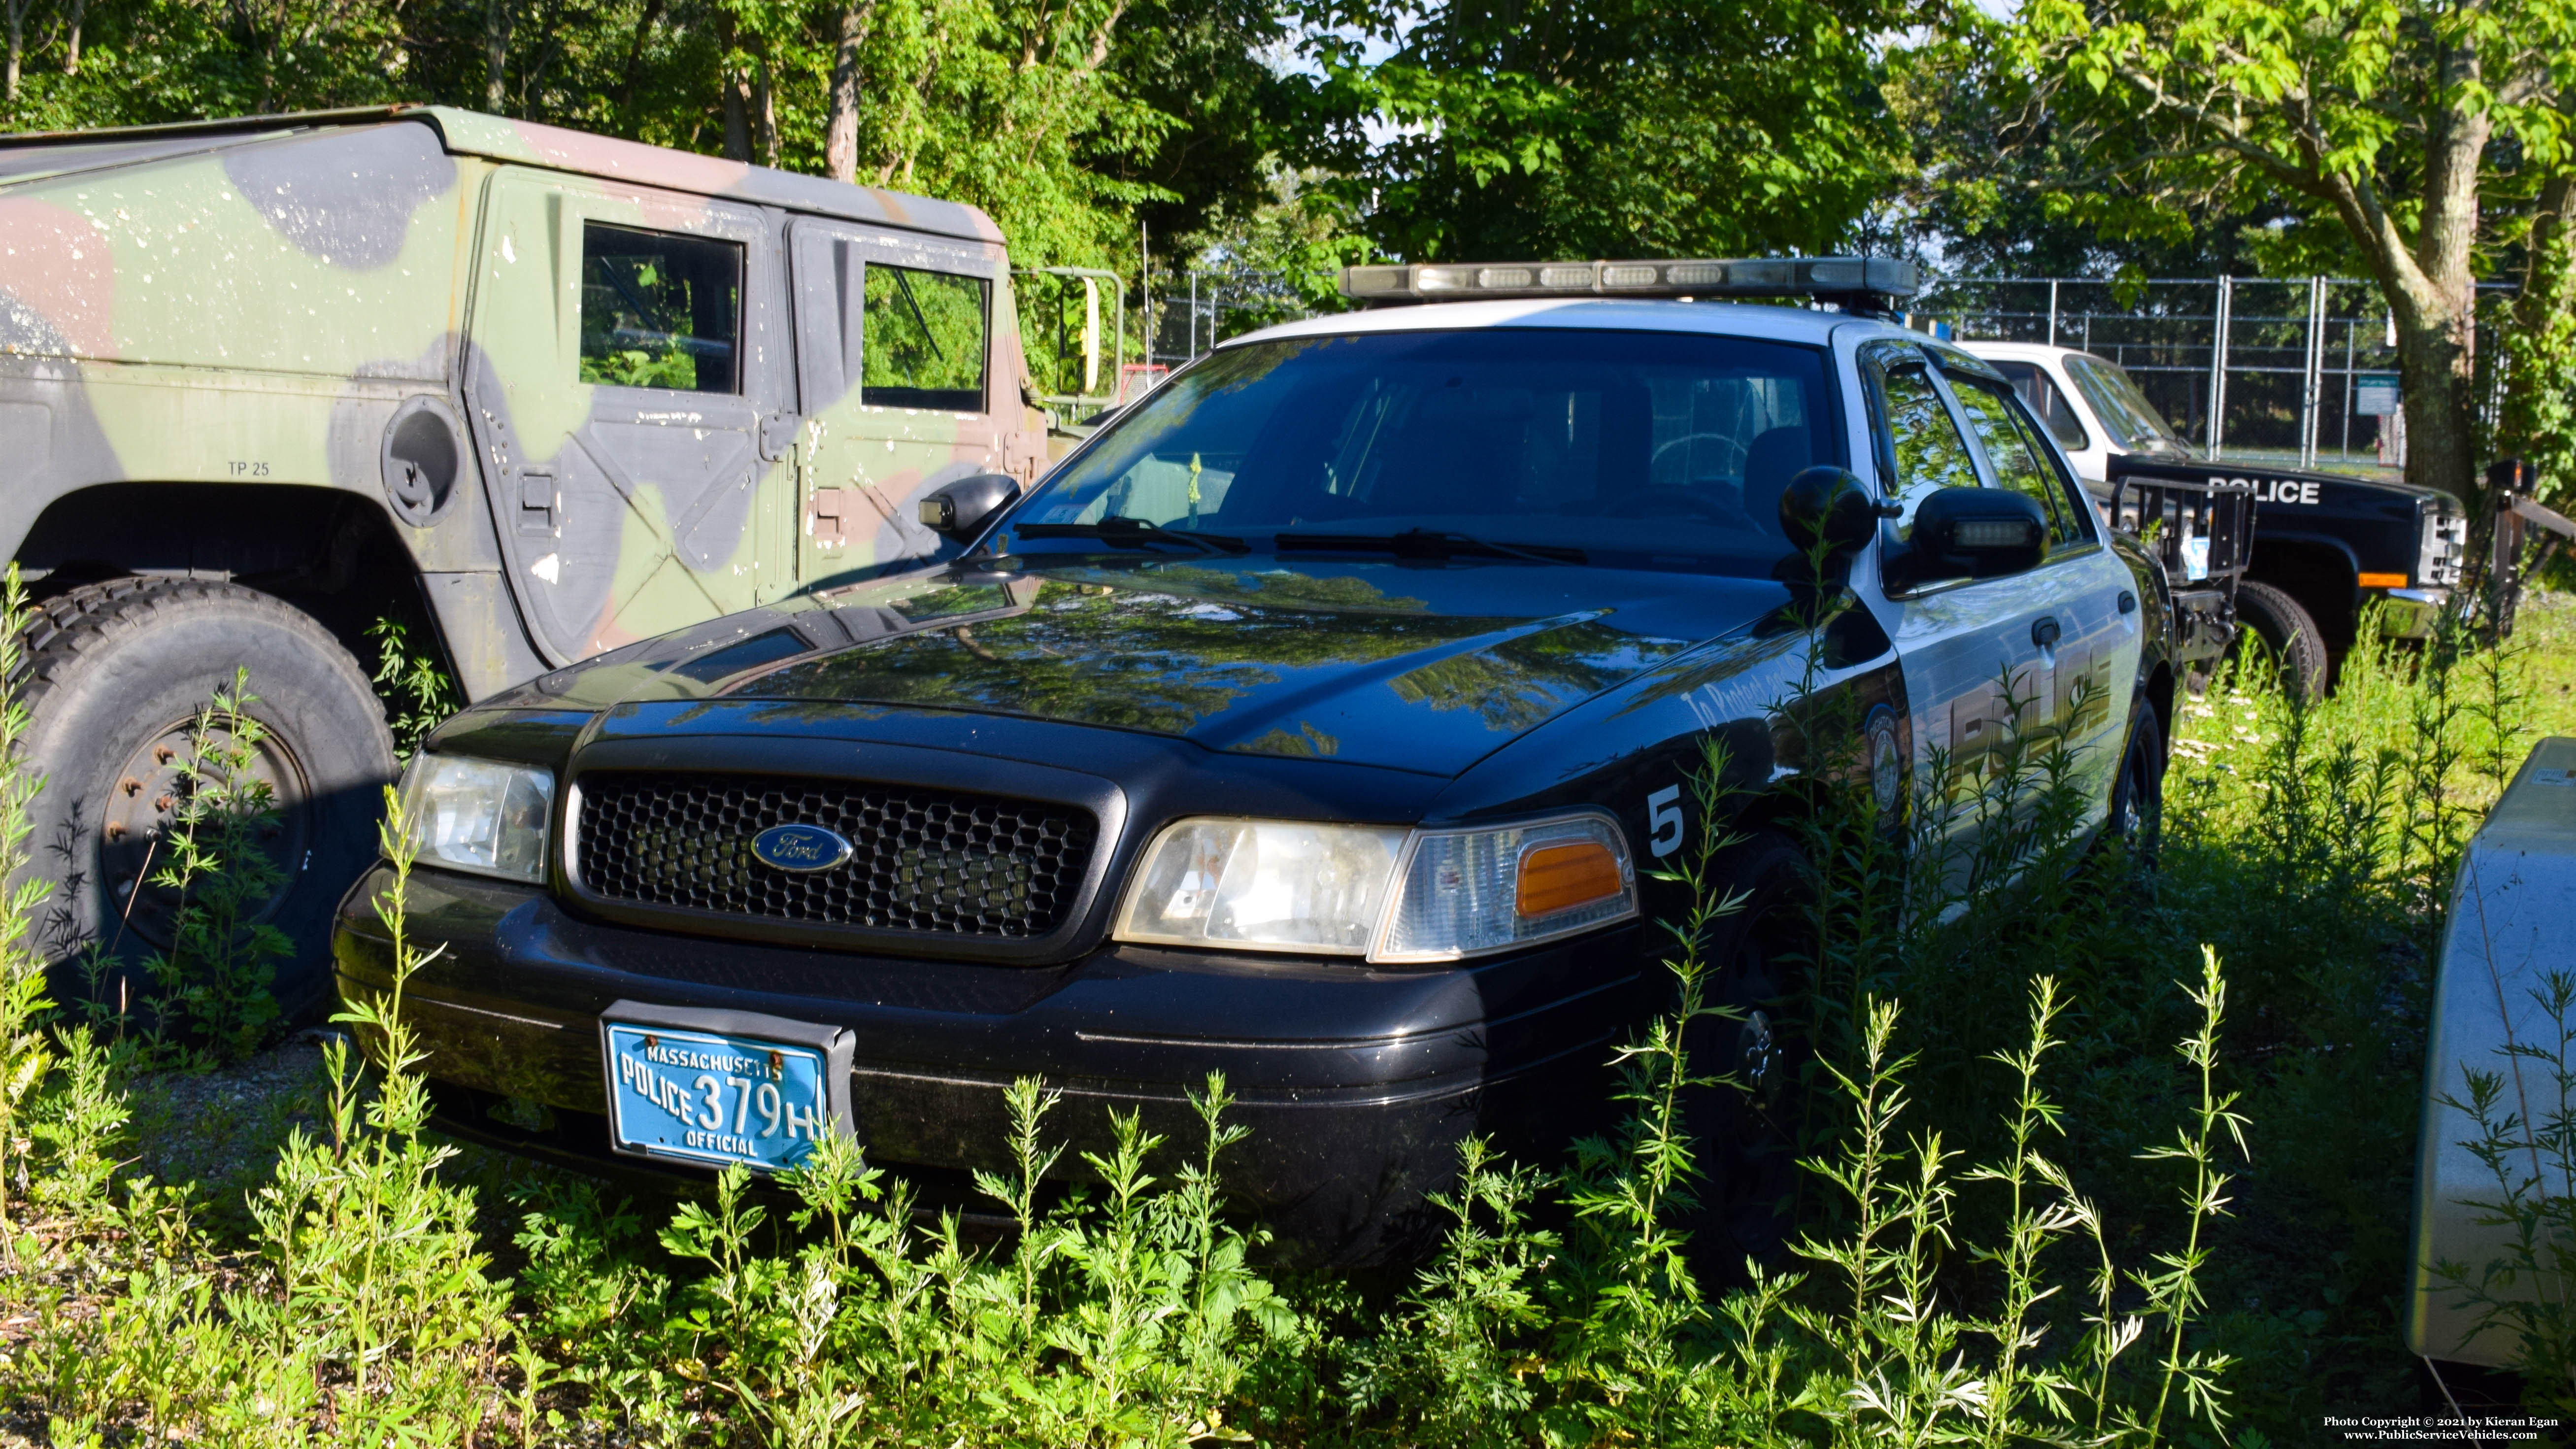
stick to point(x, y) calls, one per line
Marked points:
point(145, 801)
point(1756, 1052)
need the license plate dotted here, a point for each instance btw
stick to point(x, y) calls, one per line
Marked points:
point(722, 1087)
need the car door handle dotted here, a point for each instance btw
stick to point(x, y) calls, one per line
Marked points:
point(2044, 632)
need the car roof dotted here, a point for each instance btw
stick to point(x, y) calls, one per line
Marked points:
point(2025, 351)
point(527, 143)
point(1718, 319)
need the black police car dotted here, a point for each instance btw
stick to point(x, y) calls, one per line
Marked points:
point(1315, 723)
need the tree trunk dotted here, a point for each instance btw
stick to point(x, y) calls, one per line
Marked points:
point(2437, 309)
point(2435, 356)
point(496, 53)
point(737, 117)
point(841, 132)
point(765, 107)
point(17, 44)
point(2537, 421)
point(635, 59)
point(71, 42)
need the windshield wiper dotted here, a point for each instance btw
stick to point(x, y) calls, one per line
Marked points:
point(1426, 543)
point(1119, 529)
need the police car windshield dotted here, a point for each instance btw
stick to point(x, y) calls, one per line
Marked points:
point(1634, 449)
point(2132, 421)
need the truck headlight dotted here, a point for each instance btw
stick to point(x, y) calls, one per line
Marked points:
point(1391, 895)
point(478, 815)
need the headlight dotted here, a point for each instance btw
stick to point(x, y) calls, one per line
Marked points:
point(1262, 885)
point(1392, 895)
point(478, 815)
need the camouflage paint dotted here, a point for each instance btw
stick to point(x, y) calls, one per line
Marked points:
point(254, 302)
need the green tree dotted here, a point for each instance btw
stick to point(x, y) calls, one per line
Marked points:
point(2420, 141)
point(1615, 127)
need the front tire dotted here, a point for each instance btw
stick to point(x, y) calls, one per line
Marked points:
point(2138, 792)
point(2283, 629)
point(1745, 1129)
point(115, 672)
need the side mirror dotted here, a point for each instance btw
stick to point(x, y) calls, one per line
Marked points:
point(1831, 504)
point(961, 509)
point(1980, 532)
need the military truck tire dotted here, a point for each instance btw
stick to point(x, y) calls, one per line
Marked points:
point(2283, 629)
point(1745, 1130)
point(112, 675)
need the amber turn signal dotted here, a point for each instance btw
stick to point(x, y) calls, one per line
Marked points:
point(1559, 877)
point(2383, 581)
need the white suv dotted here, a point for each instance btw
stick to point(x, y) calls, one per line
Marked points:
point(2090, 404)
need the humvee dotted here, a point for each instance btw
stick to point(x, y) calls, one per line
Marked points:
point(264, 382)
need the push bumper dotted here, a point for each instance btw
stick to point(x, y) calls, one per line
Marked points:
point(1357, 1084)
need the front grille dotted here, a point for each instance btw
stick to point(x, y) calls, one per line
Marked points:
point(923, 860)
point(2446, 547)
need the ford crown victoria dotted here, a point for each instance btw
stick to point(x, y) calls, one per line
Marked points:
point(1322, 722)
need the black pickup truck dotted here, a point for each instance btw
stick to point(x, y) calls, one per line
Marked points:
point(2326, 545)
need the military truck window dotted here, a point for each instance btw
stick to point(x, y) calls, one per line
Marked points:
point(660, 309)
point(1930, 454)
point(2017, 454)
point(922, 340)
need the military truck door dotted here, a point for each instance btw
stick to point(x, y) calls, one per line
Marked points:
point(903, 387)
point(627, 375)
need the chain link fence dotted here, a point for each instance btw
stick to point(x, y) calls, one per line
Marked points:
point(2286, 370)
point(2296, 371)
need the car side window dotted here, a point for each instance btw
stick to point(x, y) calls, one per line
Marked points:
point(660, 309)
point(1929, 453)
point(922, 340)
point(2018, 456)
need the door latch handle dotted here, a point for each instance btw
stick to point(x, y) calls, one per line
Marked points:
point(2044, 632)
point(777, 435)
point(538, 501)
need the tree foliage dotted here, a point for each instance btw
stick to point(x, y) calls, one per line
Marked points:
point(1535, 128)
point(2419, 141)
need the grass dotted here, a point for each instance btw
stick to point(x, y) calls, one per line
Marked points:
point(2120, 1154)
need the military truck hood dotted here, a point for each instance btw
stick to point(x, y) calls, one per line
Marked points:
point(1410, 666)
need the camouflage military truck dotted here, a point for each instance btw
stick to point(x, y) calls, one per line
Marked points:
point(266, 381)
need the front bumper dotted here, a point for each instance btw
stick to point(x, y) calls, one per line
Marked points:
point(1358, 1083)
point(2409, 613)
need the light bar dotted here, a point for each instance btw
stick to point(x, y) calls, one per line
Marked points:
point(1860, 278)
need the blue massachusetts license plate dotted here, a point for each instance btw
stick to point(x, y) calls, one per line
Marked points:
point(720, 1088)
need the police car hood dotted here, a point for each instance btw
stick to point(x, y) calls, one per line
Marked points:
point(1414, 666)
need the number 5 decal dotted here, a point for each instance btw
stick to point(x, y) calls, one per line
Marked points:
point(1664, 813)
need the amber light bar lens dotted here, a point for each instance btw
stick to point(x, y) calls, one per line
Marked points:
point(1560, 877)
point(2383, 581)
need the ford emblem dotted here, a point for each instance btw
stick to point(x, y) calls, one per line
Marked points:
point(800, 848)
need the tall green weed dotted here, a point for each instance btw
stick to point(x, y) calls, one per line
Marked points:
point(2024, 1219)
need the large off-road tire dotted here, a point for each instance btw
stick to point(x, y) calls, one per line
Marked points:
point(114, 674)
point(2283, 629)
point(1744, 1129)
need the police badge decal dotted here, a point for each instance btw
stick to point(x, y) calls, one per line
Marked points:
point(1886, 769)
